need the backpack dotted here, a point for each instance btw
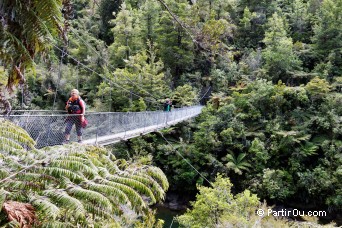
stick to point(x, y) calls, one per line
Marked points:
point(75, 106)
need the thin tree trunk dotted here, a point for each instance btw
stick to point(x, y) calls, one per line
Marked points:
point(4, 101)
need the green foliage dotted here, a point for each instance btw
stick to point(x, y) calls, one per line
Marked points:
point(27, 29)
point(175, 46)
point(148, 16)
point(279, 57)
point(270, 134)
point(124, 33)
point(184, 95)
point(300, 21)
point(74, 184)
point(326, 41)
point(247, 18)
point(318, 87)
point(216, 206)
point(237, 164)
point(248, 30)
point(278, 184)
point(106, 10)
point(214, 31)
point(149, 81)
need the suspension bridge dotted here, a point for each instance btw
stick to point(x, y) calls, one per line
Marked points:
point(104, 128)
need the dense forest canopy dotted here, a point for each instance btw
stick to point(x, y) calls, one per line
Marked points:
point(269, 73)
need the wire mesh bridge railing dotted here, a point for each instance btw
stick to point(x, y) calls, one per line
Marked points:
point(47, 128)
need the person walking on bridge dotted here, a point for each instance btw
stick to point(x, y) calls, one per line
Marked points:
point(75, 105)
point(167, 105)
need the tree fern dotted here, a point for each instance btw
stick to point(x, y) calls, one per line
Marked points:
point(134, 197)
point(27, 29)
point(13, 137)
point(237, 164)
point(43, 204)
point(57, 224)
point(70, 204)
point(158, 192)
point(90, 196)
point(137, 185)
point(110, 192)
point(75, 185)
point(60, 172)
point(4, 172)
point(308, 149)
point(158, 175)
point(76, 166)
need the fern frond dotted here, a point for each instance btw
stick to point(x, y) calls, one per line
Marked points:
point(153, 185)
point(28, 176)
point(91, 196)
point(9, 143)
point(44, 206)
point(79, 158)
point(302, 138)
point(12, 162)
point(136, 185)
point(12, 224)
point(134, 197)
point(74, 166)
point(5, 148)
point(159, 176)
point(308, 149)
point(103, 172)
point(244, 165)
point(4, 172)
point(74, 183)
point(47, 11)
point(241, 157)
point(110, 166)
point(13, 137)
point(3, 195)
point(62, 199)
point(96, 162)
point(109, 191)
point(57, 224)
point(59, 172)
point(99, 211)
point(22, 185)
point(13, 43)
point(112, 224)
point(113, 168)
point(21, 138)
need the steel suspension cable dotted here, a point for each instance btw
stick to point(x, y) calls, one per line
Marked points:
point(88, 68)
point(59, 76)
point(204, 94)
point(103, 77)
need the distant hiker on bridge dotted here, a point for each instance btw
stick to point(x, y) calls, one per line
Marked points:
point(167, 105)
point(75, 105)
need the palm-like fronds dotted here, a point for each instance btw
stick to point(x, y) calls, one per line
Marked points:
point(74, 184)
point(13, 137)
point(308, 149)
point(60, 197)
point(237, 164)
point(26, 29)
point(44, 205)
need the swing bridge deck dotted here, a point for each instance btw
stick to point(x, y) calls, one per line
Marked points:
point(47, 127)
